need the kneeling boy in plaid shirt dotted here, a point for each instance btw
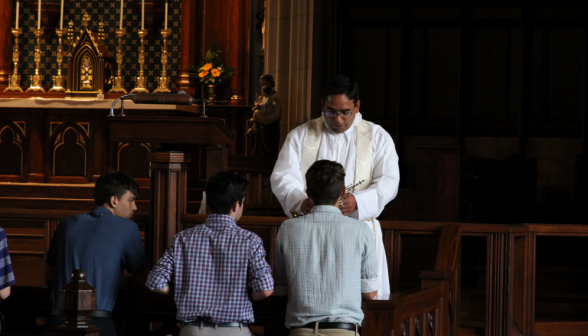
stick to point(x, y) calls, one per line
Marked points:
point(211, 264)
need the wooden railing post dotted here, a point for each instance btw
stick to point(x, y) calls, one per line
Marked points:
point(77, 300)
point(446, 275)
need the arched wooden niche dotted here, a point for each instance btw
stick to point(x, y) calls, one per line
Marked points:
point(70, 149)
point(11, 150)
point(132, 158)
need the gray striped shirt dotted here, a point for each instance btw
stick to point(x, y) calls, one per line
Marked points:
point(324, 261)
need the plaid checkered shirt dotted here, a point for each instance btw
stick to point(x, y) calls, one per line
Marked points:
point(210, 265)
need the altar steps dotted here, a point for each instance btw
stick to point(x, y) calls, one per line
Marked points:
point(259, 199)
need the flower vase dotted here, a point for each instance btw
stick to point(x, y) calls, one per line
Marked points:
point(211, 93)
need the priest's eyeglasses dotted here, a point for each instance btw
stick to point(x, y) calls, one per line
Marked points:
point(334, 114)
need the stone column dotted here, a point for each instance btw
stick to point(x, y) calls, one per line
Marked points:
point(289, 58)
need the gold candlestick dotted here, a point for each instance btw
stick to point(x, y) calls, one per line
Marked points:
point(141, 79)
point(163, 81)
point(14, 80)
point(37, 78)
point(58, 80)
point(119, 84)
point(70, 37)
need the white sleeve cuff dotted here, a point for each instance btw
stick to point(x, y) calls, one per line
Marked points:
point(281, 290)
point(370, 285)
point(367, 203)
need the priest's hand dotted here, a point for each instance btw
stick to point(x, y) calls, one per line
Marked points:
point(349, 205)
point(307, 204)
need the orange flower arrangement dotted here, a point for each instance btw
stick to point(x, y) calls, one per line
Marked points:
point(211, 70)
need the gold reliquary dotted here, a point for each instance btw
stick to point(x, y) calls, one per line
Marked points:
point(91, 65)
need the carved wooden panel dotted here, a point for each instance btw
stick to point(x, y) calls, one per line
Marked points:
point(556, 76)
point(132, 158)
point(70, 148)
point(418, 253)
point(494, 73)
point(12, 147)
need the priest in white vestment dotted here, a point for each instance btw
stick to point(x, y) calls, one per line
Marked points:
point(365, 150)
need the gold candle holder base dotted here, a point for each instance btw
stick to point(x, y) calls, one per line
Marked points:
point(118, 85)
point(118, 81)
point(162, 84)
point(13, 85)
point(37, 84)
point(14, 79)
point(141, 81)
point(57, 84)
point(140, 86)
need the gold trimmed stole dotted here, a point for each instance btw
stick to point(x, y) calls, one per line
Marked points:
point(363, 156)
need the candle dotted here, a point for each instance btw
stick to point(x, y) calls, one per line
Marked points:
point(166, 15)
point(121, 12)
point(39, 16)
point(17, 9)
point(142, 14)
point(61, 21)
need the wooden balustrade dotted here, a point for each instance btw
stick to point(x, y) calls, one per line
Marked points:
point(523, 279)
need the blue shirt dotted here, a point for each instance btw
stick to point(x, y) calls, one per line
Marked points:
point(210, 265)
point(6, 274)
point(102, 245)
point(324, 261)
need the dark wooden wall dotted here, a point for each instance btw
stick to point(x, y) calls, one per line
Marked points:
point(227, 22)
point(498, 82)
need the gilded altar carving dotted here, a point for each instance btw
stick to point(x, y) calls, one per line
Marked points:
point(91, 64)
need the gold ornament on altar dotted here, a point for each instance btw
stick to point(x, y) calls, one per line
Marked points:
point(86, 74)
point(141, 82)
point(90, 64)
point(58, 84)
point(163, 81)
point(348, 191)
point(36, 86)
point(118, 81)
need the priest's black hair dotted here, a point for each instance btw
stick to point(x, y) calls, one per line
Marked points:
point(342, 85)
